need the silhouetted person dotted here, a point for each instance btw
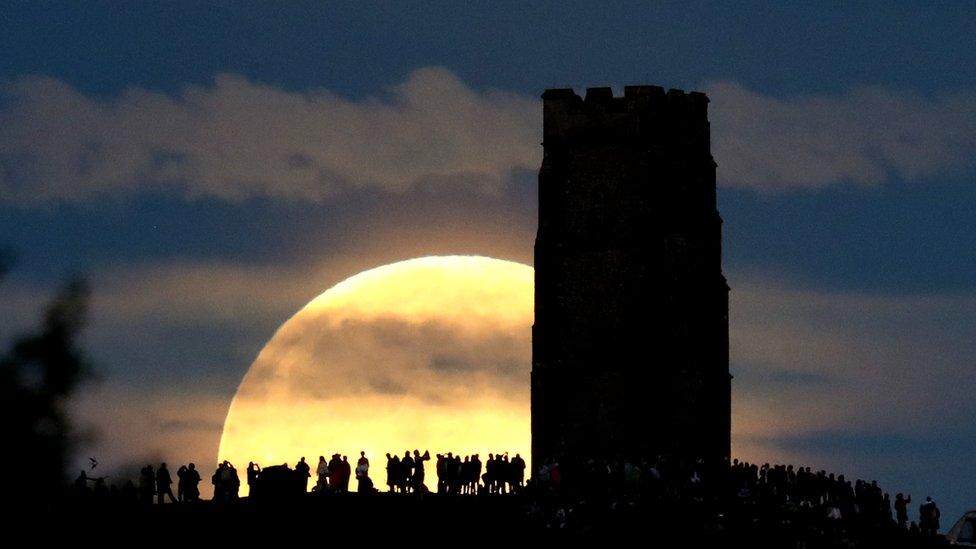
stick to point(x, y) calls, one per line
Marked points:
point(302, 470)
point(406, 472)
point(392, 472)
point(346, 473)
point(452, 471)
point(365, 484)
point(322, 472)
point(335, 473)
point(444, 475)
point(80, 487)
point(147, 484)
point(253, 470)
point(465, 468)
point(192, 481)
point(418, 469)
point(929, 515)
point(518, 473)
point(502, 474)
point(220, 492)
point(362, 465)
point(901, 509)
point(181, 483)
point(233, 481)
point(441, 468)
point(164, 484)
point(489, 477)
point(475, 478)
point(227, 483)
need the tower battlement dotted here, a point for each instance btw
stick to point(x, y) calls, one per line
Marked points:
point(645, 113)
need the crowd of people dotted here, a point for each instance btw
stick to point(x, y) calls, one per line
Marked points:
point(498, 475)
point(836, 495)
point(833, 497)
point(407, 474)
point(620, 484)
point(151, 482)
point(334, 475)
point(761, 492)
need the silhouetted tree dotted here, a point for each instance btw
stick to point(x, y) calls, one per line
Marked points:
point(38, 375)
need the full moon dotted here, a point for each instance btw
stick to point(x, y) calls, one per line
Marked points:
point(431, 353)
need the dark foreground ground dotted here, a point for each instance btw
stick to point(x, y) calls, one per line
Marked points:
point(408, 520)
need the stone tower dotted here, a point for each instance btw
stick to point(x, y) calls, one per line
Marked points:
point(630, 343)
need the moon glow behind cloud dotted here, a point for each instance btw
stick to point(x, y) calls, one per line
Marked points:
point(430, 353)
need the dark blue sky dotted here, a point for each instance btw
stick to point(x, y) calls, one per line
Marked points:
point(356, 48)
point(892, 255)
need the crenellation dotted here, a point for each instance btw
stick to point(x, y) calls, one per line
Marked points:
point(643, 112)
point(599, 96)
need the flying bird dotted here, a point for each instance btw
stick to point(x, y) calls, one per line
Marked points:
point(94, 462)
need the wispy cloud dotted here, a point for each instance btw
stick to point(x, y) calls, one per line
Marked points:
point(865, 136)
point(238, 138)
point(432, 360)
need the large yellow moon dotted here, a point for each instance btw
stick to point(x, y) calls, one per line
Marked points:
point(431, 353)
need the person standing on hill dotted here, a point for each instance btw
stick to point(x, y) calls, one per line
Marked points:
point(181, 484)
point(929, 515)
point(346, 473)
point(322, 471)
point(418, 469)
point(163, 484)
point(192, 480)
point(406, 471)
point(335, 473)
point(302, 469)
point(518, 473)
point(362, 465)
point(901, 509)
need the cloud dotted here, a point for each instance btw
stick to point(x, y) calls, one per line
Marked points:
point(238, 139)
point(432, 360)
point(868, 135)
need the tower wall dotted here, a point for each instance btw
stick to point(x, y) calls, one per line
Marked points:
point(630, 341)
